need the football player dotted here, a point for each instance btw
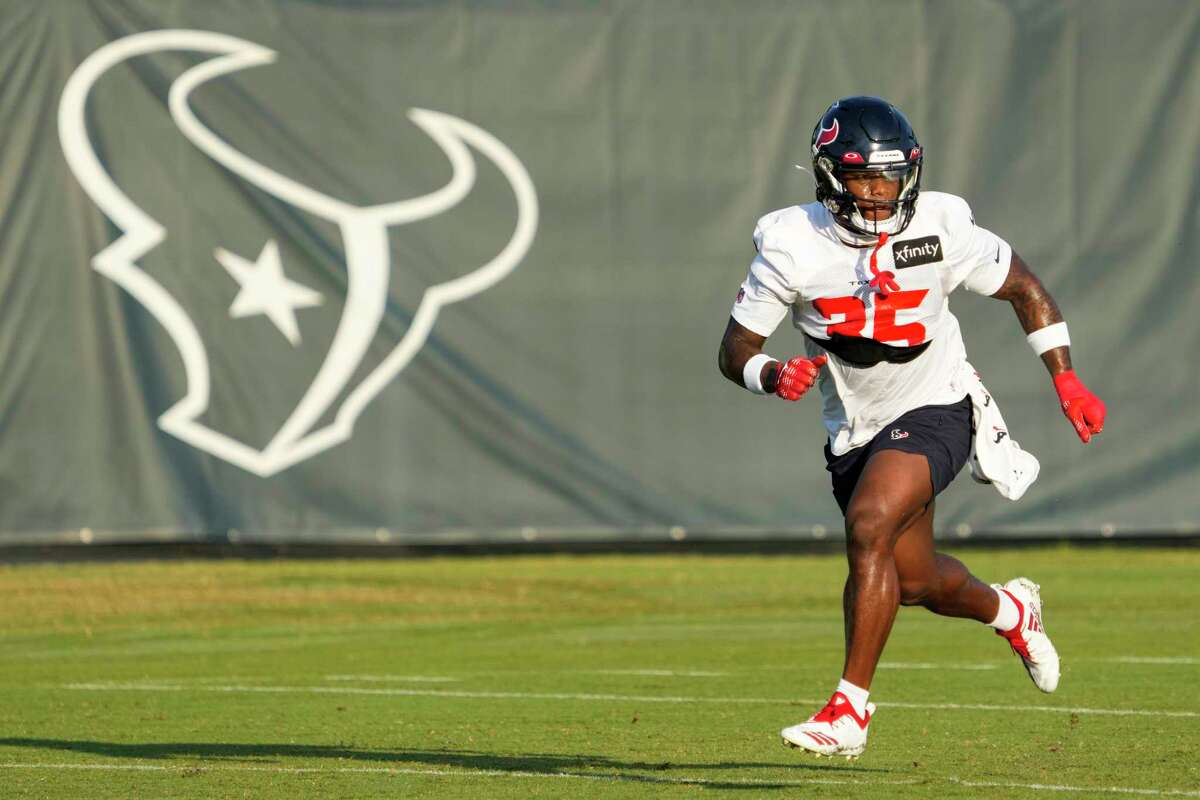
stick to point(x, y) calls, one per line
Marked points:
point(866, 271)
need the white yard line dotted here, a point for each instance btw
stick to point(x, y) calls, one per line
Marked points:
point(930, 665)
point(1053, 787)
point(610, 777)
point(980, 666)
point(394, 678)
point(664, 673)
point(1115, 712)
point(166, 686)
point(657, 673)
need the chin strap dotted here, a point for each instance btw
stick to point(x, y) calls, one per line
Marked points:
point(885, 281)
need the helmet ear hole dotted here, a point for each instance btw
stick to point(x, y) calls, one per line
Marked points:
point(830, 171)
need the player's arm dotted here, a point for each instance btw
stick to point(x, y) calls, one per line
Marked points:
point(1035, 309)
point(741, 359)
point(738, 346)
point(1047, 334)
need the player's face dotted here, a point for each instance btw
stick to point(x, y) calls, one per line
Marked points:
point(870, 188)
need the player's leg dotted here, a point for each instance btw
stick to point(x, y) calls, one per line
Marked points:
point(939, 582)
point(893, 492)
point(884, 489)
point(945, 586)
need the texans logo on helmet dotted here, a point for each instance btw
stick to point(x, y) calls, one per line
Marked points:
point(826, 136)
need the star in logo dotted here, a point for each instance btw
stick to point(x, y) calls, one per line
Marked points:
point(265, 290)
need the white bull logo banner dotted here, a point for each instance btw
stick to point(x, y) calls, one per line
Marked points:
point(315, 424)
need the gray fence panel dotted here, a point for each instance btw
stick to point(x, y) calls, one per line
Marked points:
point(265, 367)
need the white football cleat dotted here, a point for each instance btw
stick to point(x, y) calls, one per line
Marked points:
point(835, 730)
point(1028, 639)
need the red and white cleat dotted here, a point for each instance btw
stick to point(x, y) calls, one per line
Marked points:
point(1028, 638)
point(835, 730)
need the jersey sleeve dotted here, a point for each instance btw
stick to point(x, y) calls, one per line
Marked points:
point(978, 259)
point(766, 294)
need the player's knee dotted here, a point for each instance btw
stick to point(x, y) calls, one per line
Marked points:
point(869, 528)
point(917, 592)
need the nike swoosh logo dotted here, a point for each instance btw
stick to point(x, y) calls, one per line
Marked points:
point(997, 254)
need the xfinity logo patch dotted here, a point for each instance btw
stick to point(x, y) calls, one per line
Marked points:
point(915, 252)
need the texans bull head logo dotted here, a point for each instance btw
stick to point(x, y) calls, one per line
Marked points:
point(826, 136)
point(363, 229)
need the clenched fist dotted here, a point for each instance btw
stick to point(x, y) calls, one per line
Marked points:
point(797, 376)
point(1084, 410)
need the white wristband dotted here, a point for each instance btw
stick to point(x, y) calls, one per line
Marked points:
point(752, 373)
point(1049, 337)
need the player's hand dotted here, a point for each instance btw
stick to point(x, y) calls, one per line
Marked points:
point(1083, 409)
point(797, 376)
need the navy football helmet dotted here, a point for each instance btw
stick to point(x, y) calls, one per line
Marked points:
point(859, 135)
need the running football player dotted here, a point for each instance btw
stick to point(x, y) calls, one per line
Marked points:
point(866, 272)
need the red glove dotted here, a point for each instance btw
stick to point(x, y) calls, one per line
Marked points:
point(1083, 408)
point(797, 376)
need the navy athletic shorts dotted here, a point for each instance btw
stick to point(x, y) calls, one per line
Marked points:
point(940, 433)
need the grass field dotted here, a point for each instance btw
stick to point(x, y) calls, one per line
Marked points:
point(553, 676)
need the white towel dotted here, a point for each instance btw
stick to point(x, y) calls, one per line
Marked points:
point(995, 457)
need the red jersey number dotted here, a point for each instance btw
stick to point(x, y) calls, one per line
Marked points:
point(854, 312)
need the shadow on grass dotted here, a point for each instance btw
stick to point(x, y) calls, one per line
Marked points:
point(545, 763)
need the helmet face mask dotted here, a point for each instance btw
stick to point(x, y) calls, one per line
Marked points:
point(864, 139)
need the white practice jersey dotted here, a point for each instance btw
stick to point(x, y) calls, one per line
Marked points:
point(803, 266)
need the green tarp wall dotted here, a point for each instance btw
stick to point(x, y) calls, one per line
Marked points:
point(229, 336)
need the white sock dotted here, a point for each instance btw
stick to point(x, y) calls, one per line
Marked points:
point(856, 695)
point(1008, 614)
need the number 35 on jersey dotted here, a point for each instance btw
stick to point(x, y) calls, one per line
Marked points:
point(853, 316)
